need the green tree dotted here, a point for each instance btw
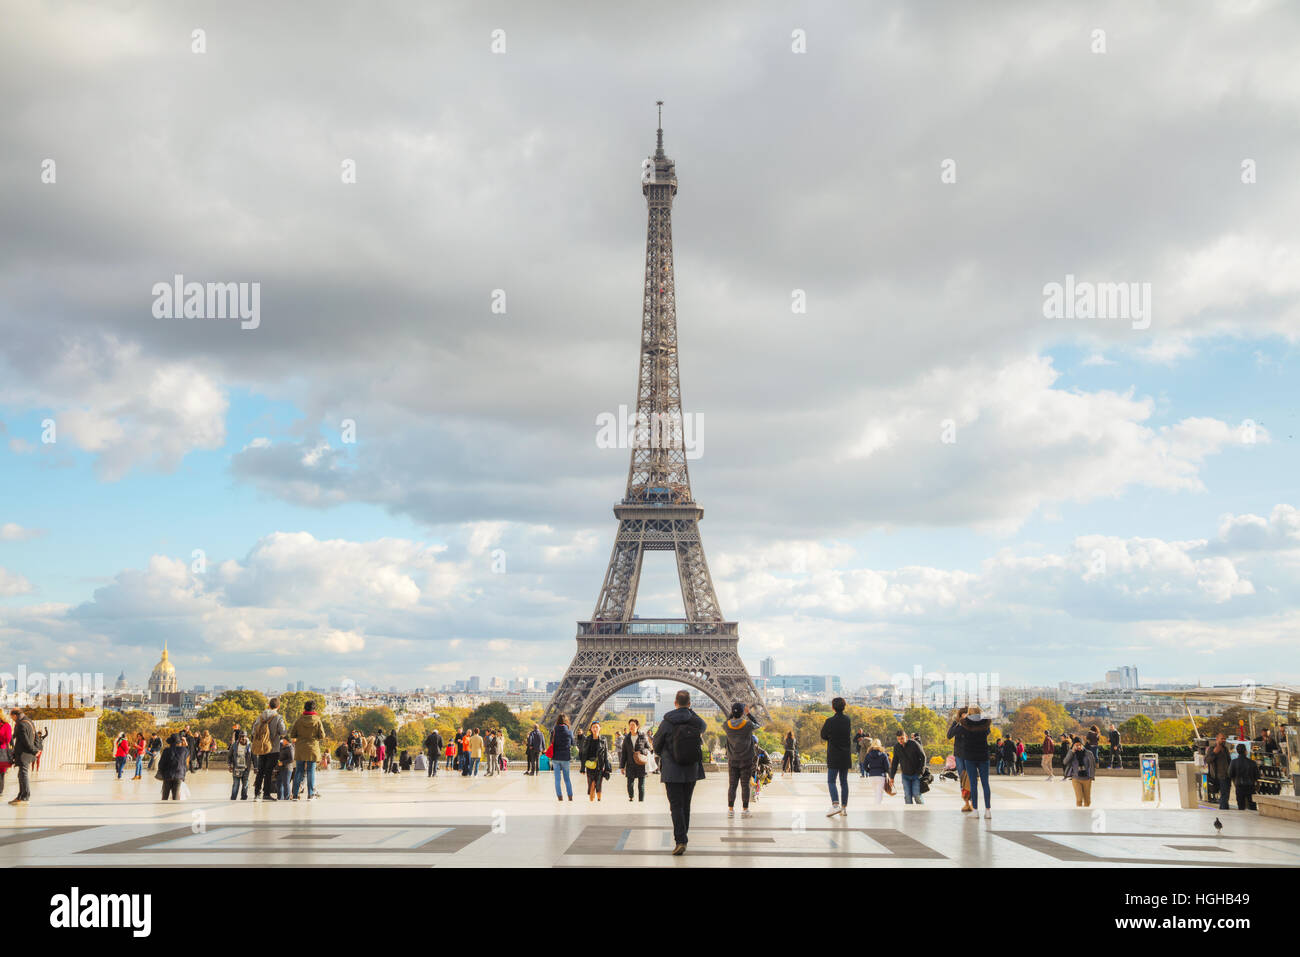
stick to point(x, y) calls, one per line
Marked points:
point(931, 726)
point(370, 720)
point(293, 703)
point(1138, 729)
point(246, 700)
point(494, 714)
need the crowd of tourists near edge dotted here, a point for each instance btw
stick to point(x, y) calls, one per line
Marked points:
point(281, 761)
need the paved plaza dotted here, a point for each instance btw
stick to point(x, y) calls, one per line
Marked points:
point(89, 818)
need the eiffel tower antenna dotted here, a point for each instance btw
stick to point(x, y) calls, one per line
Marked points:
point(658, 513)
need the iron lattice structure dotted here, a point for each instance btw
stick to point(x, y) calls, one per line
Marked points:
point(615, 649)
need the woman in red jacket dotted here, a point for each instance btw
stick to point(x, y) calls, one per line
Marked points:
point(6, 738)
point(139, 748)
point(121, 750)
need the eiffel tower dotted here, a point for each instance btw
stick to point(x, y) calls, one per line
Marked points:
point(615, 648)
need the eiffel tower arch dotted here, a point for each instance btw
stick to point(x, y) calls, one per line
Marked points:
point(658, 513)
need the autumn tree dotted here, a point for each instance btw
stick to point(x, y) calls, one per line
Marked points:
point(1029, 724)
point(1172, 732)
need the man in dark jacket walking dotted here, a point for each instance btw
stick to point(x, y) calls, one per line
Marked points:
point(1218, 763)
point(681, 762)
point(433, 748)
point(1116, 759)
point(910, 759)
point(23, 749)
point(740, 728)
point(837, 733)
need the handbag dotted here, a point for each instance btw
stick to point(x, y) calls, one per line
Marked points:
point(4, 756)
point(590, 764)
point(640, 757)
point(889, 787)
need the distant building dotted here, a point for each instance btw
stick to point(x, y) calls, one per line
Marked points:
point(806, 684)
point(163, 686)
point(121, 682)
point(1123, 678)
point(768, 667)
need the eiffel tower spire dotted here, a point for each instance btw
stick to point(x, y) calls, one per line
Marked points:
point(658, 512)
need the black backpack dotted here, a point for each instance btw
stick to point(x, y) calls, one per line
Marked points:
point(688, 746)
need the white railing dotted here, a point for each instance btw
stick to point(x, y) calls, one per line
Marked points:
point(68, 741)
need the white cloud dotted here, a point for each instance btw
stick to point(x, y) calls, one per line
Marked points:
point(13, 532)
point(11, 583)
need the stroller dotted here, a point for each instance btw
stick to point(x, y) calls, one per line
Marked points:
point(949, 772)
point(762, 770)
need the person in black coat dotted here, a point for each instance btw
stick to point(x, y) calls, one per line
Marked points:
point(562, 745)
point(595, 761)
point(390, 751)
point(240, 759)
point(23, 749)
point(681, 762)
point(535, 744)
point(172, 765)
point(634, 743)
point(788, 757)
point(1244, 774)
point(837, 732)
point(433, 747)
point(909, 758)
point(1218, 761)
point(969, 731)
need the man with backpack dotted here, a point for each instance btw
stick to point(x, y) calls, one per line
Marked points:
point(679, 743)
point(240, 759)
point(268, 729)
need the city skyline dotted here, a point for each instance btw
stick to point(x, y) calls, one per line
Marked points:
point(397, 475)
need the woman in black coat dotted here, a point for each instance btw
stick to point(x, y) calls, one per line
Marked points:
point(595, 760)
point(837, 732)
point(787, 760)
point(634, 743)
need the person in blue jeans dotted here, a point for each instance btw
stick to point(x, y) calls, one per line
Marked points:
point(910, 759)
point(837, 732)
point(561, 754)
point(969, 731)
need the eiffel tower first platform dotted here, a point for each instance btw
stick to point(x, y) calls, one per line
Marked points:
point(657, 513)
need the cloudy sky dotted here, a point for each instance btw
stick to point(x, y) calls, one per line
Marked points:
point(921, 469)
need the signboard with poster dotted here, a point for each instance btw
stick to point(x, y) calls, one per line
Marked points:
point(1150, 777)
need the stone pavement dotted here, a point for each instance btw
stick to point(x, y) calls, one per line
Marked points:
point(89, 818)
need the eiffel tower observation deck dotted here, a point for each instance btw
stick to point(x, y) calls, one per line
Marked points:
point(658, 513)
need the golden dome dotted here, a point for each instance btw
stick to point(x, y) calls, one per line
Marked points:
point(164, 666)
